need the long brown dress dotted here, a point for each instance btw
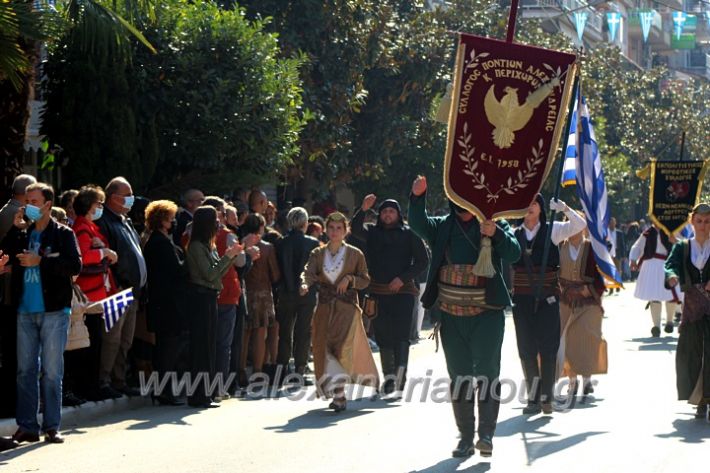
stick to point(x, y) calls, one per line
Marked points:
point(582, 347)
point(340, 346)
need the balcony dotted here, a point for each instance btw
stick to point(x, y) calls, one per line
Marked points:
point(554, 9)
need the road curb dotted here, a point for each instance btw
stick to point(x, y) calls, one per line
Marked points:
point(72, 416)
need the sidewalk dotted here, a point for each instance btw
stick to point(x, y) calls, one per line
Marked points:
point(73, 416)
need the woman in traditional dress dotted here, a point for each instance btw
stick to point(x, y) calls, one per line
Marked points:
point(583, 350)
point(688, 267)
point(341, 352)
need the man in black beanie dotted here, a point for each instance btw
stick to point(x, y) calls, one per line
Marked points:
point(395, 257)
point(536, 309)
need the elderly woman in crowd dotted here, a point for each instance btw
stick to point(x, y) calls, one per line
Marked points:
point(206, 270)
point(167, 282)
point(96, 281)
point(341, 352)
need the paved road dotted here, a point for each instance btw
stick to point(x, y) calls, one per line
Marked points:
point(632, 423)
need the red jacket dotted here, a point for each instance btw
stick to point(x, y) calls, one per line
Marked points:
point(93, 285)
point(231, 288)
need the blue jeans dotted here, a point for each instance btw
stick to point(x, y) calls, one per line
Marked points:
point(41, 339)
point(226, 319)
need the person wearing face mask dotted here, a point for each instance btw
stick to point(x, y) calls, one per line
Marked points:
point(44, 258)
point(96, 281)
point(472, 321)
point(167, 285)
point(129, 272)
point(8, 321)
point(395, 256)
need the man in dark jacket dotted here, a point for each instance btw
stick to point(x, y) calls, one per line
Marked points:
point(191, 199)
point(395, 257)
point(44, 257)
point(294, 312)
point(129, 272)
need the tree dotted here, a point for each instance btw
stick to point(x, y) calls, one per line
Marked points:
point(215, 106)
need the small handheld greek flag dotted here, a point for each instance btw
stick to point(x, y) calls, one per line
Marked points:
point(115, 306)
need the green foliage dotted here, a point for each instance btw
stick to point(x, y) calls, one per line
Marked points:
point(230, 106)
point(214, 106)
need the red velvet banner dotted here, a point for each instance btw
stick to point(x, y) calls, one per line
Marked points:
point(507, 115)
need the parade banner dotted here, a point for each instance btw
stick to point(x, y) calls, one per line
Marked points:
point(675, 190)
point(507, 116)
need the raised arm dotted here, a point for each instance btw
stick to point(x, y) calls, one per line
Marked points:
point(563, 230)
point(422, 224)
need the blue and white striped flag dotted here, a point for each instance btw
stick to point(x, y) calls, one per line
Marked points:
point(591, 190)
point(115, 306)
point(569, 174)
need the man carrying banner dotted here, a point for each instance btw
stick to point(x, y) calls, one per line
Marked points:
point(687, 266)
point(471, 308)
point(536, 310)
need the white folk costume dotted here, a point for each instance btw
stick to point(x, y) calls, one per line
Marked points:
point(650, 252)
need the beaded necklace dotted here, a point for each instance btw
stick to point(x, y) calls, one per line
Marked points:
point(333, 263)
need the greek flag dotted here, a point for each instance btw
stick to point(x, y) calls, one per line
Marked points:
point(569, 173)
point(591, 190)
point(115, 306)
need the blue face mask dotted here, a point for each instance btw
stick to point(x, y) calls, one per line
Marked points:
point(128, 202)
point(32, 212)
point(97, 213)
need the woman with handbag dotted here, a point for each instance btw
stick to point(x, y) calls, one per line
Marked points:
point(206, 270)
point(341, 352)
point(167, 282)
point(96, 282)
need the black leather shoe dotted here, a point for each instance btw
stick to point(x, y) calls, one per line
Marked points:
point(588, 389)
point(701, 411)
point(485, 447)
point(52, 436)
point(464, 449)
point(532, 408)
point(655, 331)
point(129, 391)
point(21, 436)
point(668, 328)
point(7, 444)
point(69, 399)
point(107, 392)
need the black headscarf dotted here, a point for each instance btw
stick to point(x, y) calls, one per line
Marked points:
point(390, 204)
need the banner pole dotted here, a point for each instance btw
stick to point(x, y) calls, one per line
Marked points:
point(560, 170)
point(512, 19)
point(682, 147)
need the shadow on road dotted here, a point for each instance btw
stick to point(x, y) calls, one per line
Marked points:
point(450, 464)
point(323, 417)
point(8, 455)
point(667, 343)
point(538, 442)
point(689, 431)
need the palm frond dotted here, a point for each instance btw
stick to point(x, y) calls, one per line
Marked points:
point(100, 29)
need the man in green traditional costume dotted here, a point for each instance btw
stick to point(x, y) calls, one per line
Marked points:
point(471, 310)
point(688, 265)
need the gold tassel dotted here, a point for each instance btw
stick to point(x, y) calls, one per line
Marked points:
point(484, 266)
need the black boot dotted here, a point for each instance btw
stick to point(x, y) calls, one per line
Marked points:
point(488, 407)
point(547, 384)
point(401, 360)
point(388, 369)
point(531, 370)
point(463, 405)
